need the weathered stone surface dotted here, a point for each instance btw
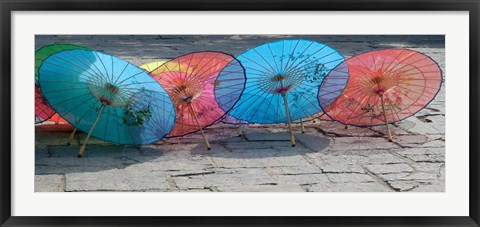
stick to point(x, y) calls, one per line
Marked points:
point(428, 167)
point(257, 145)
point(416, 176)
point(441, 175)
point(117, 180)
point(396, 131)
point(260, 188)
point(421, 127)
point(291, 170)
point(385, 158)
point(74, 165)
point(403, 185)
point(362, 143)
point(348, 187)
point(392, 176)
point(427, 154)
point(337, 129)
point(172, 164)
point(434, 143)
point(352, 177)
point(93, 151)
point(301, 179)
point(242, 177)
point(193, 172)
point(315, 143)
point(438, 187)
point(410, 140)
point(49, 183)
point(421, 176)
point(258, 158)
point(341, 168)
point(267, 136)
point(389, 168)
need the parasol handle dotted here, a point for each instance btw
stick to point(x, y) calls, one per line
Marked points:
point(82, 149)
point(292, 138)
point(70, 138)
point(301, 126)
point(240, 130)
point(199, 127)
point(389, 134)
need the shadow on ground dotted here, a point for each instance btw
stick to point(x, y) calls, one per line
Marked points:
point(54, 156)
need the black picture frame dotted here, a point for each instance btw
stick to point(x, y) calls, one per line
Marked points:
point(8, 6)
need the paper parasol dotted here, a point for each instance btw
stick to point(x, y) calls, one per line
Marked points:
point(282, 81)
point(386, 86)
point(107, 97)
point(203, 86)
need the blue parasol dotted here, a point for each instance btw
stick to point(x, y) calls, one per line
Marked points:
point(283, 78)
point(107, 97)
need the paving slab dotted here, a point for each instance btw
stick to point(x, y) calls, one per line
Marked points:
point(260, 188)
point(301, 179)
point(258, 158)
point(362, 143)
point(243, 177)
point(424, 154)
point(117, 180)
point(341, 168)
point(50, 183)
point(389, 168)
point(348, 187)
point(349, 177)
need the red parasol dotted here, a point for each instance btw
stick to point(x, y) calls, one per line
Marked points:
point(43, 111)
point(203, 87)
point(386, 86)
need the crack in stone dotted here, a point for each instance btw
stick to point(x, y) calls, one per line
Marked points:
point(63, 183)
point(212, 188)
point(378, 179)
point(267, 184)
point(192, 174)
point(308, 159)
point(299, 174)
point(171, 183)
point(432, 109)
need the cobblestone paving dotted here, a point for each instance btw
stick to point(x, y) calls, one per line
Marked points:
point(328, 158)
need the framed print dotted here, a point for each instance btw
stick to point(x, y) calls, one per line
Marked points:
point(185, 113)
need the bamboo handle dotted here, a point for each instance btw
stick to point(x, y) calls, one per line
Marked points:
point(200, 127)
point(301, 126)
point(82, 149)
point(389, 134)
point(240, 130)
point(69, 141)
point(292, 138)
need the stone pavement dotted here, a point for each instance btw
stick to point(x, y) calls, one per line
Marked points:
point(327, 157)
